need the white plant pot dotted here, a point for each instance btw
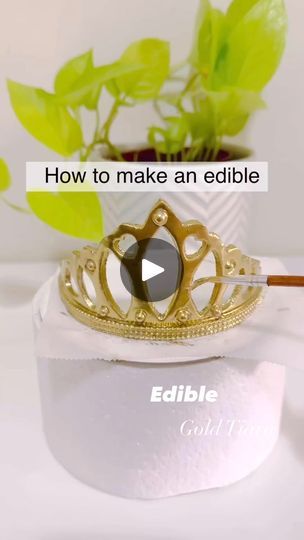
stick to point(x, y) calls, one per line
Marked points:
point(227, 214)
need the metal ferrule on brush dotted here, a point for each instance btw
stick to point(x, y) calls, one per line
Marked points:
point(253, 281)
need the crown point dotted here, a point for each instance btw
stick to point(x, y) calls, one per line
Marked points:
point(90, 265)
point(230, 266)
point(183, 315)
point(216, 311)
point(104, 311)
point(160, 217)
point(140, 315)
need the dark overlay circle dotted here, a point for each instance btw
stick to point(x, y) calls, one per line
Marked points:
point(157, 252)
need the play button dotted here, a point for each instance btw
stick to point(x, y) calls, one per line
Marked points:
point(151, 270)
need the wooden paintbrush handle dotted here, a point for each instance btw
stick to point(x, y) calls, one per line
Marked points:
point(285, 281)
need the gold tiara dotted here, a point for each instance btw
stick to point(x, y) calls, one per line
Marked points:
point(96, 307)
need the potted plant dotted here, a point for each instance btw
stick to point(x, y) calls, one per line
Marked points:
point(203, 102)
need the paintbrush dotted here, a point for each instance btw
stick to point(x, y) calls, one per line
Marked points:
point(255, 281)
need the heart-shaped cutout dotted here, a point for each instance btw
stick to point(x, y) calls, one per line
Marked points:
point(121, 245)
point(193, 246)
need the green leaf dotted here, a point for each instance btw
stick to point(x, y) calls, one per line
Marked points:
point(48, 121)
point(237, 10)
point(177, 128)
point(153, 55)
point(255, 44)
point(201, 123)
point(76, 214)
point(232, 109)
point(208, 39)
point(86, 89)
point(221, 113)
point(172, 139)
point(71, 71)
point(78, 68)
point(5, 177)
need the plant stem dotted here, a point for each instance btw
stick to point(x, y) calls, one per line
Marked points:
point(102, 136)
point(15, 206)
point(114, 150)
point(158, 156)
point(158, 110)
point(109, 121)
point(216, 149)
point(196, 151)
point(209, 152)
point(178, 67)
point(190, 83)
point(105, 132)
point(88, 150)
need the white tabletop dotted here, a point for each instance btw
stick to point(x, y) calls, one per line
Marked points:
point(39, 500)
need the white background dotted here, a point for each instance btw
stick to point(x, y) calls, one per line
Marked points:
point(37, 37)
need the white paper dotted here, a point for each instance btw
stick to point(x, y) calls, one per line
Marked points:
point(273, 333)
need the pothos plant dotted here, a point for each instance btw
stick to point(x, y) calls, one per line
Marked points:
point(207, 98)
